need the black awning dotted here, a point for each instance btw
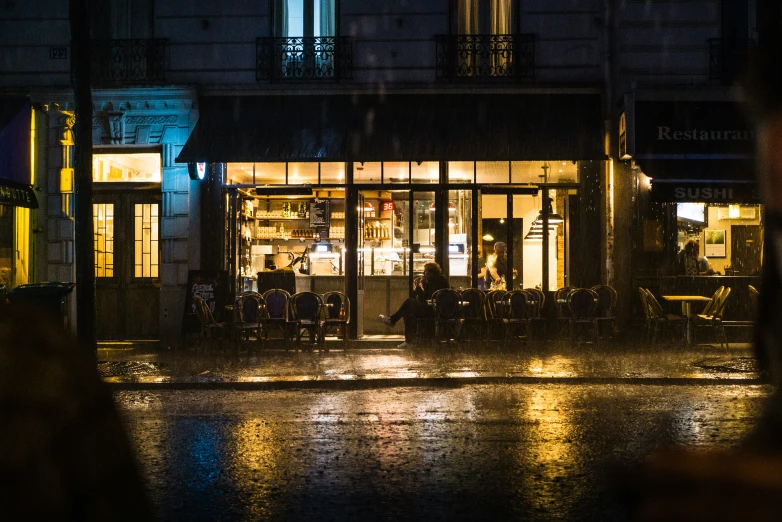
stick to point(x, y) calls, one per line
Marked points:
point(699, 169)
point(15, 186)
point(397, 127)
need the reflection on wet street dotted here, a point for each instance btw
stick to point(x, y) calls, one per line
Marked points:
point(499, 452)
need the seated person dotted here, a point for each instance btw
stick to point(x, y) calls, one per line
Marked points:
point(691, 263)
point(415, 307)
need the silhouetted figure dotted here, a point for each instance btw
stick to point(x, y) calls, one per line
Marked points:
point(64, 454)
point(416, 307)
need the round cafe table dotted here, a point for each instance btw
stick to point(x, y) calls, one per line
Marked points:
point(687, 301)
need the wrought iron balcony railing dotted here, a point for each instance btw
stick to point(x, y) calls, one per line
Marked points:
point(486, 56)
point(133, 61)
point(303, 58)
point(727, 58)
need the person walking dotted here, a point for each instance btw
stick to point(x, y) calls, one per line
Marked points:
point(414, 307)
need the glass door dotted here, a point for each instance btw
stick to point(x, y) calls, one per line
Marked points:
point(395, 239)
point(515, 220)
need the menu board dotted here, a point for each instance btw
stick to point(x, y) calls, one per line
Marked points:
point(212, 287)
point(319, 213)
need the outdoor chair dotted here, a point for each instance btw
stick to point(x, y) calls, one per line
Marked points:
point(662, 321)
point(248, 313)
point(276, 316)
point(582, 306)
point(713, 320)
point(606, 307)
point(711, 306)
point(306, 309)
point(474, 326)
point(538, 311)
point(754, 301)
point(518, 304)
point(210, 328)
point(336, 314)
point(562, 310)
point(447, 314)
point(496, 313)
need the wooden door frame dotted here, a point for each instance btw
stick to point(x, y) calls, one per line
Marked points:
point(124, 196)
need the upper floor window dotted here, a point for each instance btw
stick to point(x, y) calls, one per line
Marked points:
point(122, 19)
point(308, 18)
point(484, 17)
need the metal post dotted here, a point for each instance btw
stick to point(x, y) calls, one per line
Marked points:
point(351, 248)
point(509, 230)
point(82, 183)
point(545, 238)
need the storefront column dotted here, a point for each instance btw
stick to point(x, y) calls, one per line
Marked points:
point(212, 216)
point(441, 237)
point(586, 234)
point(351, 249)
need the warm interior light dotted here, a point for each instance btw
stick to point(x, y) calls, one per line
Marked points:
point(488, 237)
point(734, 211)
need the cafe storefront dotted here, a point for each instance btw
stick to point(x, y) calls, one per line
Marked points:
point(17, 197)
point(695, 181)
point(356, 193)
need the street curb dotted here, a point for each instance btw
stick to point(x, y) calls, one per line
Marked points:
point(443, 382)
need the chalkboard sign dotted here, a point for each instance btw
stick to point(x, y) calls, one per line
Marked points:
point(212, 287)
point(319, 213)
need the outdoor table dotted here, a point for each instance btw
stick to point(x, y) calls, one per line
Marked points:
point(687, 301)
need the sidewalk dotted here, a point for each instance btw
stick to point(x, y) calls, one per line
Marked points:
point(379, 364)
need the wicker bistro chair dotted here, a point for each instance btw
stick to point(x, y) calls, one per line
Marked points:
point(248, 316)
point(754, 301)
point(660, 320)
point(336, 315)
point(711, 306)
point(496, 313)
point(306, 308)
point(475, 320)
point(537, 310)
point(582, 304)
point(519, 304)
point(210, 328)
point(276, 316)
point(562, 310)
point(447, 314)
point(713, 320)
point(606, 307)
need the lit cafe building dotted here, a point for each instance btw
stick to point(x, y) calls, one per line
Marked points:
point(356, 192)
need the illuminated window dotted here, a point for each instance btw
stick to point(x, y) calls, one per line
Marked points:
point(146, 255)
point(126, 168)
point(103, 223)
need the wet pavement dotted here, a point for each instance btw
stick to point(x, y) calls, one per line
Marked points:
point(145, 367)
point(455, 452)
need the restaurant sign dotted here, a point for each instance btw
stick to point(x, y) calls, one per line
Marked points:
point(685, 130)
point(705, 192)
point(17, 195)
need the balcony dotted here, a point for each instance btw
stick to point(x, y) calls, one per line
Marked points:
point(128, 62)
point(302, 59)
point(727, 58)
point(504, 57)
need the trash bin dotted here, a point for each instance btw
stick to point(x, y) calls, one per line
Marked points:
point(50, 298)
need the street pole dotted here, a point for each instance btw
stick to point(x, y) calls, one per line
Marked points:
point(82, 176)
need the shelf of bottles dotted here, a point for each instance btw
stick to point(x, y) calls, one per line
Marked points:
point(289, 222)
point(378, 229)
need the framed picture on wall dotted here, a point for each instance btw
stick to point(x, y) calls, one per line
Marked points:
point(715, 243)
